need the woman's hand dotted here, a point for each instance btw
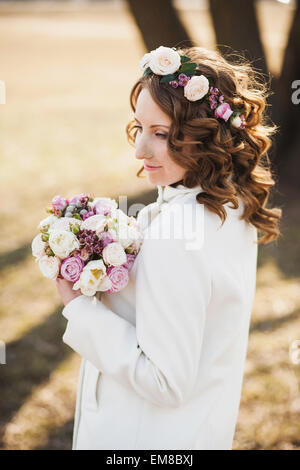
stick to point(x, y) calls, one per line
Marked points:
point(65, 290)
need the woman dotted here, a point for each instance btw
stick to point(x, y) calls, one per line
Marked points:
point(163, 359)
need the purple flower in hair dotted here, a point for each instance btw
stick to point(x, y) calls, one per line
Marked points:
point(183, 79)
point(174, 84)
point(213, 91)
point(213, 104)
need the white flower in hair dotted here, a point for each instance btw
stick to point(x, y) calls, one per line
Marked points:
point(164, 60)
point(144, 62)
point(196, 88)
point(236, 122)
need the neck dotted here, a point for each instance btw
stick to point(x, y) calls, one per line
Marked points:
point(176, 184)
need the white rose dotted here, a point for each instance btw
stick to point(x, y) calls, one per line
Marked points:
point(38, 246)
point(114, 254)
point(95, 222)
point(127, 235)
point(144, 62)
point(196, 88)
point(236, 121)
point(62, 243)
point(164, 60)
point(105, 284)
point(48, 221)
point(62, 223)
point(137, 240)
point(49, 266)
point(121, 219)
point(91, 277)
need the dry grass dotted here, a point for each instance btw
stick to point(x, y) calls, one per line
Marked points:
point(68, 73)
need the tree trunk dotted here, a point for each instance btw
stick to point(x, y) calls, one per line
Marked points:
point(236, 26)
point(288, 155)
point(159, 23)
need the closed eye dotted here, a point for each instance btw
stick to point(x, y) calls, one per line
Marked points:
point(164, 136)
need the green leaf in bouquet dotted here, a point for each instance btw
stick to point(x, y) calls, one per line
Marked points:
point(45, 237)
point(77, 216)
point(75, 228)
point(49, 251)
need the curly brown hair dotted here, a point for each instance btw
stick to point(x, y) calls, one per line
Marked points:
point(227, 162)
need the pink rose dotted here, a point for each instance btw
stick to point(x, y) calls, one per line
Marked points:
point(102, 207)
point(71, 268)
point(130, 260)
point(59, 203)
point(223, 111)
point(80, 198)
point(119, 278)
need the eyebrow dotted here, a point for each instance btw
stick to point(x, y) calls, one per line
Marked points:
point(154, 125)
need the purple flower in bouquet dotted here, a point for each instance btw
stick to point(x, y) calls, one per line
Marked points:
point(84, 198)
point(89, 240)
point(130, 260)
point(119, 277)
point(59, 203)
point(107, 238)
point(87, 214)
point(71, 268)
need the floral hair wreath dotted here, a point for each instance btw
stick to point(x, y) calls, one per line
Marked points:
point(178, 70)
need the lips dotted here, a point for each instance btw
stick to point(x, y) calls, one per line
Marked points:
point(151, 166)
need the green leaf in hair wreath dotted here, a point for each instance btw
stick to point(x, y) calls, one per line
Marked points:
point(148, 71)
point(188, 68)
point(167, 78)
point(184, 59)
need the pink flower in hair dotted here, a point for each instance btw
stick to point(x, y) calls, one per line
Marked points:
point(223, 111)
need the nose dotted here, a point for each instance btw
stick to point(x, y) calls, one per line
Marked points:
point(142, 150)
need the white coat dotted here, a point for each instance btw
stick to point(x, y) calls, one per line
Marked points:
point(163, 359)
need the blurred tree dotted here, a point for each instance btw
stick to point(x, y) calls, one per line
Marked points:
point(159, 23)
point(235, 25)
point(287, 111)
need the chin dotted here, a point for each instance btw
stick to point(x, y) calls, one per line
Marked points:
point(155, 179)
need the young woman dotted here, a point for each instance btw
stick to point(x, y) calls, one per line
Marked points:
point(163, 359)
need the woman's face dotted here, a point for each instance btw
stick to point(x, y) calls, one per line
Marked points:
point(151, 142)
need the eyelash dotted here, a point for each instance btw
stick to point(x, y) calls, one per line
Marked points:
point(163, 136)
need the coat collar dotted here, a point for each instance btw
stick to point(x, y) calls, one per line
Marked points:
point(169, 193)
point(166, 195)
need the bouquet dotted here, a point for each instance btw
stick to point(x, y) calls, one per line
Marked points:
point(87, 241)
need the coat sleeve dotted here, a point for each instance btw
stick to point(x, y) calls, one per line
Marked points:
point(159, 357)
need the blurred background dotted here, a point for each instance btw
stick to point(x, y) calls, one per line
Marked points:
point(68, 67)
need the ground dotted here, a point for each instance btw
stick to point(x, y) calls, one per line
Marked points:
point(68, 71)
